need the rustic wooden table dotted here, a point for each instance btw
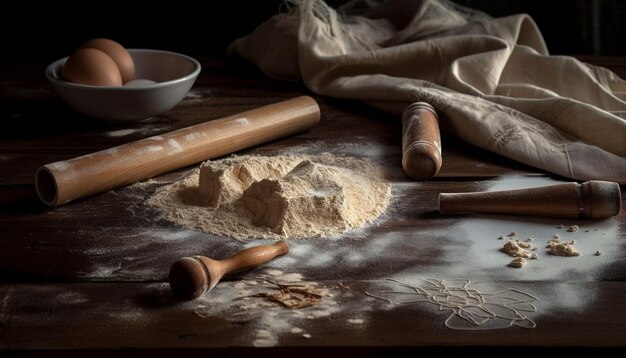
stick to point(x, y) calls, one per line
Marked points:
point(92, 275)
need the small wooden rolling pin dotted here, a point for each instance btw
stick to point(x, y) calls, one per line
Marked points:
point(593, 199)
point(60, 182)
point(421, 141)
point(191, 277)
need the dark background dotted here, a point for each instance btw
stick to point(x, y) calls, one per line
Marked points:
point(43, 32)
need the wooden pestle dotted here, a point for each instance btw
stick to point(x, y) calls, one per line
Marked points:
point(421, 141)
point(60, 182)
point(190, 277)
point(592, 199)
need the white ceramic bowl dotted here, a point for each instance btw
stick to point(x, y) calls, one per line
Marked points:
point(173, 73)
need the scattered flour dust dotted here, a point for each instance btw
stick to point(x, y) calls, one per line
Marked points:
point(277, 197)
point(266, 303)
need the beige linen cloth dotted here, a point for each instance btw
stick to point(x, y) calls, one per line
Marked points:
point(491, 80)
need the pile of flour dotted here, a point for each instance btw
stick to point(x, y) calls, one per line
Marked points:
point(279, 197)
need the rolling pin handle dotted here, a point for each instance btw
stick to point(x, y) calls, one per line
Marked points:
point(191, 277)
point(594, 199)
point(421, 141)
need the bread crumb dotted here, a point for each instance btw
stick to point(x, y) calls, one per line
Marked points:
point(518, 262)
point(501, 237)
point(530, 239)
point(598, 253)
point(306, 336)
point(556, 236)
point(512, 234)
point(561, 226)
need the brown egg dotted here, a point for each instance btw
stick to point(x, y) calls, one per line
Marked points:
point(89, 66)
point(118, 53)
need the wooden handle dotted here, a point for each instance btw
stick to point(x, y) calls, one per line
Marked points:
point(421, 141)
point(593, 199)
point(190, 277)
point(60, 182)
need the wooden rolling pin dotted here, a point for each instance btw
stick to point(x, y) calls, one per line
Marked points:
point(60, 182)
point(191, 277)
point(592, 199)
point(421, 141)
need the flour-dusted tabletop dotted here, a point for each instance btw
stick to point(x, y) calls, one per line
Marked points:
point(92, 275)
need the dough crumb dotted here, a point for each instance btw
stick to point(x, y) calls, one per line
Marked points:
point(518, 262)
point(517, 248)
point(573, 228)
point(562, 248)
point(598, 253)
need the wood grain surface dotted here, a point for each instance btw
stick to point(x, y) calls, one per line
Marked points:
point(91, 276)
